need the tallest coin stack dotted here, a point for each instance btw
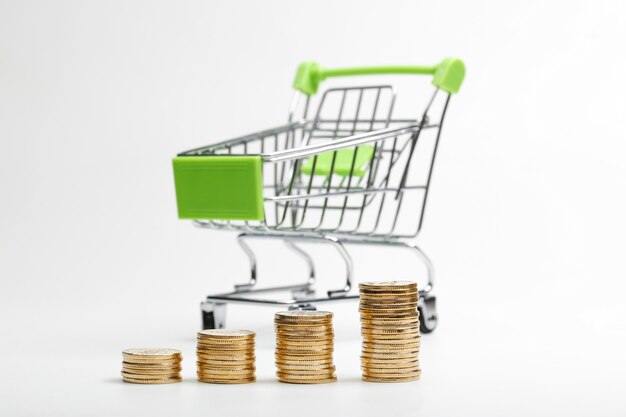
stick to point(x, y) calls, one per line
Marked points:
point(390, 330)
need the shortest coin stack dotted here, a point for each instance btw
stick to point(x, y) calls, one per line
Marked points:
point(304, 347)
point(390, 330)
point(151, 366)
point(226, 356)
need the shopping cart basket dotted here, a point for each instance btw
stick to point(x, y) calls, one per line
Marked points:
point(347, 173)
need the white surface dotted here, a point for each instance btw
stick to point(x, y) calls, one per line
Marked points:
point(524, 224)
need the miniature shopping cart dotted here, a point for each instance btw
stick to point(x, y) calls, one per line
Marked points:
point(346, 173)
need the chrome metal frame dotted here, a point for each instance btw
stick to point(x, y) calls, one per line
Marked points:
point(312, 209)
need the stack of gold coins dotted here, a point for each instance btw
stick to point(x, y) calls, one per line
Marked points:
point(226, 356)
point(304, 347)
point(151, 366)
point(390, 330)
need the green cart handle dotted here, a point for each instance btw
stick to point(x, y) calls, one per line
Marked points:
point(447, 75)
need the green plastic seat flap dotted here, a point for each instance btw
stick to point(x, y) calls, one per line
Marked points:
point(219, 187)
point(343, 162)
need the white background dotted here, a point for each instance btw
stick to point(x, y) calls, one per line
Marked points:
point(525, 222)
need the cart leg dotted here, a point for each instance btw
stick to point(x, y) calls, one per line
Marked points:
point(253, 265)
point(306, 290)
point(427, 304)
point(349, 267)
point(213, 315)
point(430, 273)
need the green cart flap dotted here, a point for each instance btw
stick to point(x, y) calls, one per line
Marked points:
point(219, 187)
point(343, 162)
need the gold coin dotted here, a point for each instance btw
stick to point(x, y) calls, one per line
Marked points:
point(390, 319)
point(388, 369)
point(399, 338)
point(303, 314)
point(382, 304)
point(225, 349)
point(148, 361)
point(385, 354)
point(305, 361)
point(386, 373)
point(394, 363)
point(381, 328)
point(209, 373)
point(396, 308)
point(391, 373)
point(220, 334)
point(372, 313)
point(387, 311)
point(386, 358)
point(303, 341)
point(392, 343)
point(226, 362)
point(389, 314)
point(239, 373)
point(390, 322)
point(306, 375)
point(306, 371)
point(224, 344)
point(305, 344)
point(391, 340)
point(226, 359)
point(223, 365)
point(295, 367)
point(152, 381)
point(159, 371)
point(286, 357)
point(308, 381)
point(381, 298)
point(389, 332)
point(308, 337)
point(303, 330)
point(151, 365)
point(389, 349)
point(224, 356)
point(227, 381)
point(211, 362)
point(303, 349)
point(394, 284)
point(150, 376)
point(410, 350)
point(378, 329)
point(150, 353)
point(380, 295)
point(377, 379)
point(228, 341)
point(306, 322)
point(306, 332)
point(406, 293)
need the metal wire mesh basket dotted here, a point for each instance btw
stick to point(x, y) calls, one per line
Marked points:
point(346, 173)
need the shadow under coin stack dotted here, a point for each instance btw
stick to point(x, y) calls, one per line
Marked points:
point(390, 330)
point(226, 356)
point(304, 347)
point(151, 366)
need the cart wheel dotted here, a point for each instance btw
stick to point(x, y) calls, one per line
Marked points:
point(213, 315)
point(427, 308)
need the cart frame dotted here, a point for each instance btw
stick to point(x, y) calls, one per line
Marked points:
point(304, 181)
